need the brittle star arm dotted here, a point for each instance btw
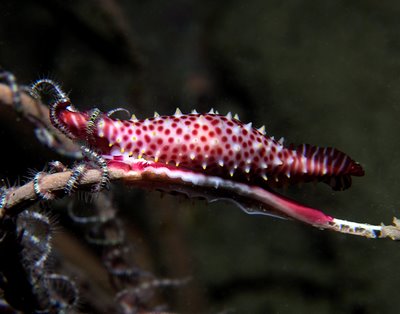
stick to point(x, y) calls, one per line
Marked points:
point(252, 199)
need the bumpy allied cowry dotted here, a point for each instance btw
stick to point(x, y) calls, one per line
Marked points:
point(209, 143)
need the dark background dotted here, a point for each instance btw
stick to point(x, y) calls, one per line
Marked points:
point(320, 72)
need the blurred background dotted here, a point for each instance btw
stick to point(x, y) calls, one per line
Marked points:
point(319, 72)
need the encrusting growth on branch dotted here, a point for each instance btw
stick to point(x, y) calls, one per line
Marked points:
point(391, 231)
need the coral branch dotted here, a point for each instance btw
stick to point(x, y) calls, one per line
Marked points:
point(30, 107)
point(251, 199)
point(19, 198)
point(36, 112)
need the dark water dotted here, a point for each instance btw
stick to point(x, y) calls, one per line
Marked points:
point(325, 73)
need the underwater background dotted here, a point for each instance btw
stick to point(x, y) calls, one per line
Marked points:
point(320, 72)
